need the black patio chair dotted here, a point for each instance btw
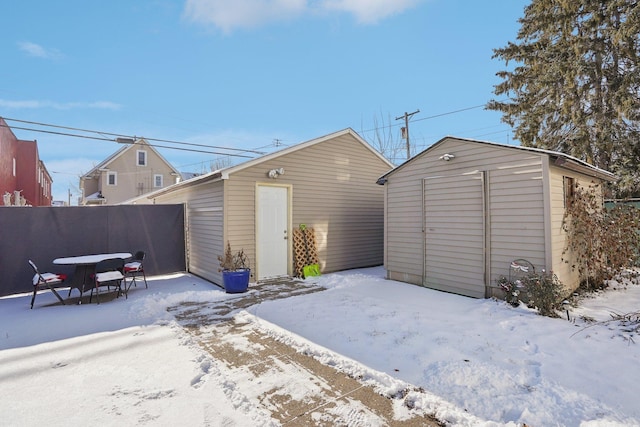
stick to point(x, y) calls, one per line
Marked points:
point(108, 273)
point(48, 281)
point(135, 267)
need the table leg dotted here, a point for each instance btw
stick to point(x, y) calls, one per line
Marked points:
point(81, 278)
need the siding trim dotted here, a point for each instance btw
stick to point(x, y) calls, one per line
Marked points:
point(423, 240)
point(546, 201)
point(385, 228)
point(225, 213)
point(560, 159)
point(187, 226)
point(486, 227)
point(215, 209)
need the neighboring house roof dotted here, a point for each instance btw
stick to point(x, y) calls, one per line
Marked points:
point(225, 172)
point(559, 159)
point(140, 142)
point(97, 196)
point(188, 175)
point(94, 199)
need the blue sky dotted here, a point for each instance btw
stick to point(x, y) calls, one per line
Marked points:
point(245, 73)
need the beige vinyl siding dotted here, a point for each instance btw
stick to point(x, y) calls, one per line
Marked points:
point(516, 212)
point(515, 206)
point(134, 180)
point(334, 191)
point(332, 188)
point(558, 236)
point(404, 258)
point(524, 202)
point(454, 230)
point(569, 277)
point(240, 224)
point(204, 216)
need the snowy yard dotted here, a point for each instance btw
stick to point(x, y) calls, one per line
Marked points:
point(479, 362)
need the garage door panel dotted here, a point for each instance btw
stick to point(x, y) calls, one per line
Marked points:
point(454, 233)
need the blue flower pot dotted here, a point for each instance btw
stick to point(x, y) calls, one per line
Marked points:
point(236, 281)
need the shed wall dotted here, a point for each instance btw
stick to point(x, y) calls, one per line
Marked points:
point(562, 262)
point(514, 201)
point(516, 215)
point(205, 226)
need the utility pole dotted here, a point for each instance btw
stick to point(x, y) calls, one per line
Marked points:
point(405, 129)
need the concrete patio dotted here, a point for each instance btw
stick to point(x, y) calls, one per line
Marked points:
point(324, 397)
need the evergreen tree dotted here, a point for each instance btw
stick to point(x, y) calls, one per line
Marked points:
point(575, 83)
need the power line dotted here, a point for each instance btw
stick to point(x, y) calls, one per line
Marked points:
point(113, 140)
point(451, 112)
point(137, 142)
point(122, 135)
point(427, 118)
point(277, 142)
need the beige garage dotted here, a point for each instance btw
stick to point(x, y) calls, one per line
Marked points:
point(458, 213)
point(328, 183)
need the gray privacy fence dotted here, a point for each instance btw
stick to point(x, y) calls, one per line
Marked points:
point(45, 233)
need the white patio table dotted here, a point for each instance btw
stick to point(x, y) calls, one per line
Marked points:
point(85, 267)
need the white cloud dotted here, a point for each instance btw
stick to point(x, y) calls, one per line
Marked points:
point(99, 105)
point(5, 103)
point(33, 104)
point(369, 11)
point(33, 49)
point(229, 16)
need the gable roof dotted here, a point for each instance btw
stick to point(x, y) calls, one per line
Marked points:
point(559, 159)
point(138, 143)
point(226, 172)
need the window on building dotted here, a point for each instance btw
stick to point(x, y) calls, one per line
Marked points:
point(142, 158)
point(569, 190)
point(157, 180)
point(14, 167)
point(112, 178)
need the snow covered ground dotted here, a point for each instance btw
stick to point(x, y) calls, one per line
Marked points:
point(479, 362)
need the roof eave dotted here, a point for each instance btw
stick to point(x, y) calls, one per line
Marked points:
point(570, 164)
point(189, 183)
point(559, 159)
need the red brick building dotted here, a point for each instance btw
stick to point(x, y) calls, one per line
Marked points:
point(21, 170)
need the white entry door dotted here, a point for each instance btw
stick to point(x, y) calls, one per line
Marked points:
point(272, 231)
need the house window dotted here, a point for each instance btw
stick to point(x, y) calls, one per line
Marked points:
point(157, 180)
point(112, 178)
point(14, 167)
point(141, 158)
point(569, 190)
